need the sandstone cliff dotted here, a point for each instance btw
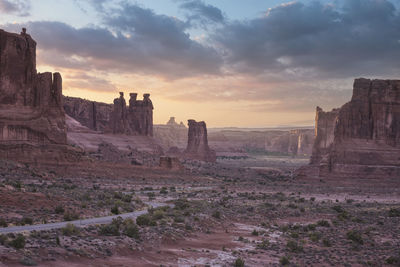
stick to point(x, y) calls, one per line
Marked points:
point(94, 115)
point(197, 147)
point(31, 111)
point(117, 118)
point(362, 139)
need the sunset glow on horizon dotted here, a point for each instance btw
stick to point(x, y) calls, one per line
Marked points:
point(229, 63)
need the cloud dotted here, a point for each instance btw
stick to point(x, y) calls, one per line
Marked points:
point(202, 12)
point(17, 7)
point(346, 39)
point(88, 82)
point(136, 40)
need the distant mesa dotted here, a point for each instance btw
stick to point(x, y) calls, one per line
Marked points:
point(172, 122)
point(362, 138)
point(31, 110)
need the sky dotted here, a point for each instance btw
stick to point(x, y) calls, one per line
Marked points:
point(231, 63)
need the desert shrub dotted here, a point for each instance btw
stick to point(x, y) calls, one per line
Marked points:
point(312, 199)
point(145, 220)
point(238, 263)
point(343, 216)
point(26, 261)
point(355, 236)
point(217, 214)
point(326, 242)
point(70, 230)
point(3, 239)
point(111, 229)
point(158, 214)
point(284, 261)
point(26, 220)
point(127, 198)
point(394, 212)
point(293, 246)
point(59, 209)
point(164, 190)
point(255, 232)
point(18, 242)
point(264, 244)
point(3, 223)
point(309, 227)
point(338, 208)
point(393, 260)
point(315, 236)
point(71, 216)
point(323, 223)
point(131, 229)
point(115, 209)
point(181, 204)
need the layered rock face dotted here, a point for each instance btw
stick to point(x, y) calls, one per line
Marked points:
point(137, 119)
point(362, 139)
point(94, 115)
point(30, 102)
point(197, 147)
point(117, 118)
point(31, 110)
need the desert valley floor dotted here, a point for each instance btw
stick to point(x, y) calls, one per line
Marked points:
point(238, 210)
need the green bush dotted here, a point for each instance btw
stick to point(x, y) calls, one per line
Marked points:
point(70, 230)
point(115, 209)
point(293, 246)
point(393, 260)
point(164, 191)
point(217, 214)
point(3, 223)
point(59, 210)
point(394, 212)
point(326, 242)
point(18, 242)
point(71, 216)
point(131, 229)
point(181, 204)
point(238, 263)
point(26, 220)
point(284, 261)
point(144, 220)
point(338, 209)
point(323, 223)
point(111, 229)
point(355, 236)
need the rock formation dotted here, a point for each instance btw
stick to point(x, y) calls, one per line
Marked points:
point(94, 115)
point(116, 118)
point(197, 147)
point(171, 163)
point(362, 138)
point(31, 110)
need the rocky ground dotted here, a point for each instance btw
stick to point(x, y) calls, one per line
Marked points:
point(237, 212)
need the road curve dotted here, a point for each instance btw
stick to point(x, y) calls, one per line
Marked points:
point(79, 223)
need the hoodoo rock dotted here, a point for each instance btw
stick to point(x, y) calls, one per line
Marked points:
point(197, 147)
point(362, 138)
point(31, 109)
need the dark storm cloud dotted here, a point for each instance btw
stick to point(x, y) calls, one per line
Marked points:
point(200, 11)
point(137, 40)
point(17, 7)
point(352, 37)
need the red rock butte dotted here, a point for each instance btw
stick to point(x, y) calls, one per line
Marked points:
point(362, 138)
point(31, 110)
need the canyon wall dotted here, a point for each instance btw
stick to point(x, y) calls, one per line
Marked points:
point(117, 118)
point(94, 115)
point(362, 138)
point(197, 147)
point(31, 110)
